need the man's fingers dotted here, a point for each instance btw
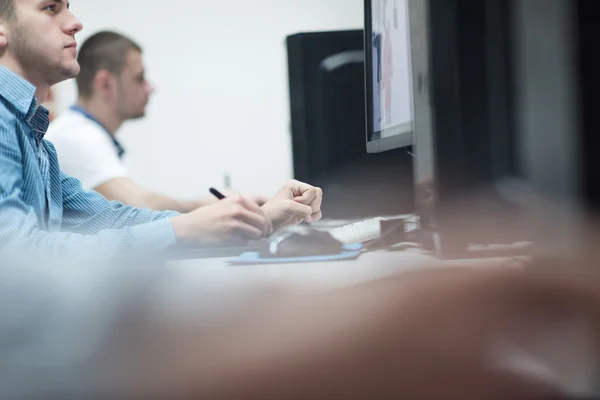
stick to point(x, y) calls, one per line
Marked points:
point(316, 216)
point(247, 231)
point(316, 209)
point(296, 209)
point(308, 196)
point(246, 212)
point(255, 215)
point(259, 200)
point(257, 221)
point(250, 205)
point(316, 203)
point(312, 197)
point(299, 188)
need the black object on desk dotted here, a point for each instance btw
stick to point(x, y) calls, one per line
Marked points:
point(300, 241)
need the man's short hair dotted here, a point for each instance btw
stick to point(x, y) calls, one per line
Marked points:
point(104, 50)
point(7, 9)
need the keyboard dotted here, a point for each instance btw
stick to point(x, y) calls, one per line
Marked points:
point(359, 231)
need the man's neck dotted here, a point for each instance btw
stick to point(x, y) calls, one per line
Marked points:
point(41, 89)
point(99, 111)
point(41, 94)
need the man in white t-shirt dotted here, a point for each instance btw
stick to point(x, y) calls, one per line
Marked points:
point(112, 89)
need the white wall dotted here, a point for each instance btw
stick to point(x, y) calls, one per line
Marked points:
point(222, 102)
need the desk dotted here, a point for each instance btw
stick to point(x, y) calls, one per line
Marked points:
point(212, 289)
point(320, 275)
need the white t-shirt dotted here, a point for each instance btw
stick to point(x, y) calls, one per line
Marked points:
point(85, 149)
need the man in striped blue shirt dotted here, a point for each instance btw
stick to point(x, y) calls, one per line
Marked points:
point(43, 209)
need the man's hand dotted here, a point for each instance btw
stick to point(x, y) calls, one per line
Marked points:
point(295, 202)
point(257, 199)
point(232, 220)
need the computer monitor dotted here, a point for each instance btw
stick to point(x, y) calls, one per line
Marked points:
point(504, 89)
point(387, 75)
point(464, 129)
point(557, 84)
point(558, 79)
point(327, 110)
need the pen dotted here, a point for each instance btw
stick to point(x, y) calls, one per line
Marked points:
point(216, 193)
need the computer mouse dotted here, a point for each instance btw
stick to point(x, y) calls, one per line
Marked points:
point(300, 241)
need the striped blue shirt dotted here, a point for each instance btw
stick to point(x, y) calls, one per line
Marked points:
point(43, 209)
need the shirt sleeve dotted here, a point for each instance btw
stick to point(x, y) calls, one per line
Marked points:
point(85, 151)
point(93, 226)
point(88, 212)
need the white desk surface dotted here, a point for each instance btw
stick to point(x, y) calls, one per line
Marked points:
point(321, 275)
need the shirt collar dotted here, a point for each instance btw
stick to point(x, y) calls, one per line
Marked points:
point(16, 90)
point(21, 95)
point(39, 120)
point(118, 147)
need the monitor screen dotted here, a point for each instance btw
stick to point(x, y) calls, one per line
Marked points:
point(387, 75)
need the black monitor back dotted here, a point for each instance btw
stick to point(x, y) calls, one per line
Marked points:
point(463, 107)
point(327, 99)
point(513, 88)
point(558, 66)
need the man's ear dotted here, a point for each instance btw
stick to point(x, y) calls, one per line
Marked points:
point(104, 84)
